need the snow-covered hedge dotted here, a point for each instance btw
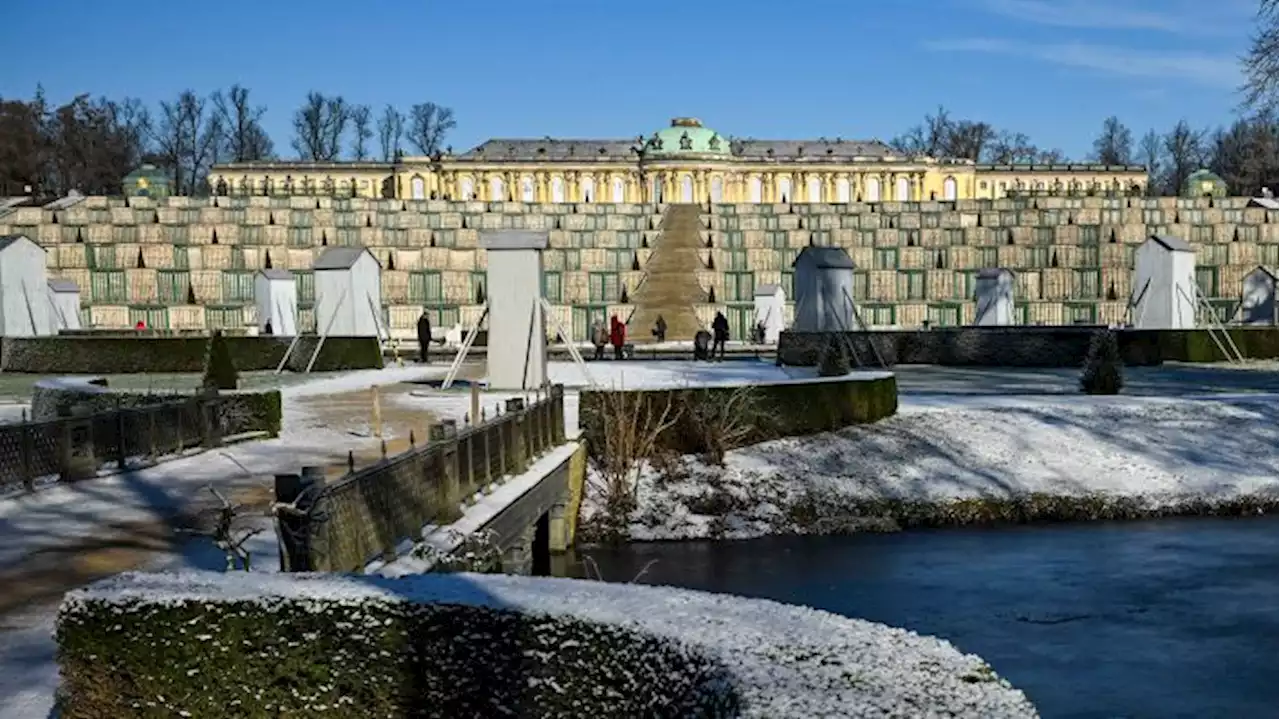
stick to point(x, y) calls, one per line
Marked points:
point(216, 645)
point(759, 411)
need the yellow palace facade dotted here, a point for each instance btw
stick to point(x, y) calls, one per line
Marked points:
point(685, 162)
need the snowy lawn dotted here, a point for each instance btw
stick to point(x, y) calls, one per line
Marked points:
point(780, 660)
point(1155, 454)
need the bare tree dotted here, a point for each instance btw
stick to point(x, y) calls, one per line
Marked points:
point(1011, 147)
point(930, 138)
point(187, 139)
point(244, 138)
point(1151, 153)
point(1050, 157)
point(1245, 155)
point(969, 139)
point(1114, 145)
point(318, 127)
point(1184, 151)
point(390, 132)
point(360, 116)
point(1262, 61)
point(428, 125)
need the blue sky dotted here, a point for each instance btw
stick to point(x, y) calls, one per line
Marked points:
point(576, 68)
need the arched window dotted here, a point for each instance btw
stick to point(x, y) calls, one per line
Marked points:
point(813, 193)
point(842, 190)
point(1040, 185)
point(784, 189)
point(418, 188)
point(526, 189)
point(686, 189)
point(619, 190)
point(717, 189)
point(949, 188)
point(467, 188)
point(873, 189)
point(756, 190)
point(588, 188)
point(497, 190)
point(902, 191)
point(657, 189)
point(557, 189)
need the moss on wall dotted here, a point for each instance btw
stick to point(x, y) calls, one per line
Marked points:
point(326, 656)
point(128, 355)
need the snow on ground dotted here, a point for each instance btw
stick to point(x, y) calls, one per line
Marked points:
point(62, 515)
point(788, 661)
point(1161, 451)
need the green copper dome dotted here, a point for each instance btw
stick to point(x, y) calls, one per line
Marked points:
point(686, 136)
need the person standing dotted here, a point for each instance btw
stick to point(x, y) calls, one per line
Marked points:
point(617, 336)
point(599, 338)
point(424, 338)
point(267, 329)
point(720, 331)
point(660, 329)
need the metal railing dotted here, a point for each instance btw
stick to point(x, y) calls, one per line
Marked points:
point(342, 525)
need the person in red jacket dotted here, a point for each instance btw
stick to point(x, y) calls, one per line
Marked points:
point(617, 336)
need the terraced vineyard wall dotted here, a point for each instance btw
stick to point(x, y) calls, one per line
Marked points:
point(188, 263)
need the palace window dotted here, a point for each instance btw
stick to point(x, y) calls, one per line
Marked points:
point(784, 189)
point(756, 190)
point(814, 190)
point(557, 190)
point(873, 190)
point(717, 189)
point(902, 192)
point(619, 190)
point(497, 190)
point(949, 188)
point(842, 190)
point(588, 187)
point(418, 188)
point(526, 189)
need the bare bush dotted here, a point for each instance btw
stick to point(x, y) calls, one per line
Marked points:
point(724, 421)
point(475, 552)
point(625, 437)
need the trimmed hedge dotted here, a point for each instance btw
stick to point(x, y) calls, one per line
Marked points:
point(129, 355)
point(383, 656)
point(780, 409)
point(240, 411)
point(1024, 346)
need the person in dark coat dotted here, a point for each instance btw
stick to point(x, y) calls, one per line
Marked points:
point(701, 344)
point(424, 337)
point(660, 329)
point(267, 329)
point(617, 336)
point(720, 331)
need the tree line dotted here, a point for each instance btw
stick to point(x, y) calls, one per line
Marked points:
point(89, 144)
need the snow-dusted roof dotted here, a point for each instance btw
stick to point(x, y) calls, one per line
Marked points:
point(825, 257)
point(1173, 244)
point(274, 274)
point(340, 258)
point(7, 241)
point(786, 661)
point(1268, 202)
point(58, 284)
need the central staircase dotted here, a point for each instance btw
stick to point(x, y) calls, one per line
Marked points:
point(670, 287)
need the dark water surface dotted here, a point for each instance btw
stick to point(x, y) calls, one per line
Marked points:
point(1167, 618)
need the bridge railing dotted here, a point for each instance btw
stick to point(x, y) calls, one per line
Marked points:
point(77, 447)
point(372, 512)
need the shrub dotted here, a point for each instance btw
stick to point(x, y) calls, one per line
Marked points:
point(1103, 368)
point(623, 430)
point(219, 369)
point(724, 420)
point(314, 646)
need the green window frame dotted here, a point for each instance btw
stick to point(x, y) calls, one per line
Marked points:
point(1083, 312)
point(306, 285)
point(987, 256)
point(553, 287)
point(861, 285)
point(426, 287)
point(736, 260)
point(155, 318)
point(1085, 284)
point(572, 259)
point(964, 284)
point(1038, 257)
point(879, 315)
point(944, 315)
point(108, 287)
point(237, 286)
point(173, 286)
point(886, 258)
point(1207, 279)
point(223, 318)
point(788, 284)
point(603, 287)
point(739, 287)
point(477, 293)
point(911, 284)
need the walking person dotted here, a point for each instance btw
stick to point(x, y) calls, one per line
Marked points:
point(617, 336)
point(599, 338)
point(424, 338)
point(720, 331)
point(660, 329)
